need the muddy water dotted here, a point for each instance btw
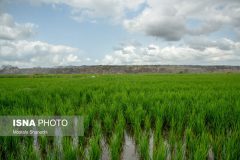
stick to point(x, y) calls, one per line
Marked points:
point(36, 145)
point(86, 152)
point(210, 154)
point(184, 147)
point(167, 145)
point(35, 141)
point(105, 155)
point(105, 150)
point(129, 148)
point(75, 136)
point(151, 144)
point(58, 142)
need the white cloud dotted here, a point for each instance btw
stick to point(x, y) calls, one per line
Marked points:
point(24, 53)
point(10, 30)
point(169, 19)
point(16, 50)
point(156, 23)
point(211, 54)
point(201, 43)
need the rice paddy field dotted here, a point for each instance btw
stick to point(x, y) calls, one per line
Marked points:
point(128, 116)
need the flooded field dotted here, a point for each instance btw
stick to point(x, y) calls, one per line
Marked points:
point(128, 117)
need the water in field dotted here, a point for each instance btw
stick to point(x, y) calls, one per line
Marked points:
point(75, 137)
point(36, 146)
point(184, 147)
point(167, 145)
point(86, 151)
point(129, 148)
point(210, 154)
point(58, 142)
point(151, 144)
point(105, 150)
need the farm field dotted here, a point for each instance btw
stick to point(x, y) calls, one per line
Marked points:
point(128, 116)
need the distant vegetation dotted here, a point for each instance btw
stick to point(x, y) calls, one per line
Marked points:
point(105, 69)
point(189, 116)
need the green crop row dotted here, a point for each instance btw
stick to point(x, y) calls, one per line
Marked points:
point(189, 116)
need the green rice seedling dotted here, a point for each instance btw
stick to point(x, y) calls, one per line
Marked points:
point(31, 155)
point(43, 143)
point(69, 151)
point(95, 151)
point(97, 132)
point(129, 116)
point(143, 145)
point(147, 124)
point(197, 146)
point(230, 149)
point(81, 140)
point(89, 120)
point(225, 147)
point(140, 115)
point(174, 140)
point(137, 131)
point(178, 152)
point(108, 124)
point(202, 147)
point(80, 152)
point(29, 151)
point(197, 123)
point(117, 138)
point(114, 110)
point(158, 131)
point(159, 153)
point(120, 125)
point(180, 118)
point(189, 143)
point(115, 146)
point(10, 144)
point(159, 150)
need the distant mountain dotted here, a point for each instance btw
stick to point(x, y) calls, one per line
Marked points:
point(108, 69)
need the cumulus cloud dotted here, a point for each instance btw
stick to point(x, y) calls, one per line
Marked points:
point(170, 19)
point(16, 50)
point(24, 53)
point(166, 19)
point(10, 30)
point(213, 54)
point(201, 43)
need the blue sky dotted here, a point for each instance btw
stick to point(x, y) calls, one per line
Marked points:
point(59, 28)
point(55, 33)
